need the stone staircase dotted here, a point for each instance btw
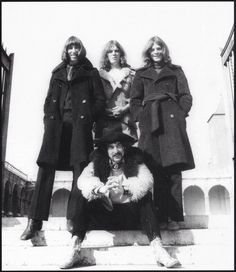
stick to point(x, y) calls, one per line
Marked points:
point(202, 242)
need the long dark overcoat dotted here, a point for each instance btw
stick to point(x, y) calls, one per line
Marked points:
point(160, 103)
point(88, 102)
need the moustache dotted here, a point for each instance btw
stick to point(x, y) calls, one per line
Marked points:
point(117, 154)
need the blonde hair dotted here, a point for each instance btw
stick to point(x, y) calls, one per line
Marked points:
point(105, 63)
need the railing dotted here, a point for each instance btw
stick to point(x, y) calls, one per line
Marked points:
point(16, 171)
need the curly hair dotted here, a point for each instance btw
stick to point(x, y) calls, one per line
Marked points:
point(146, 52)
point(73, 40)
point(105, 63)
point(132, 157)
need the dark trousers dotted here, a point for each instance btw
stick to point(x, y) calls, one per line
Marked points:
point(40, 205)
point(42, 195)
point(127, 216)
point(168, 194)
point(167, 190)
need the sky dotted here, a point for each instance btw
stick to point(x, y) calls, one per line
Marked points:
point(35, 32)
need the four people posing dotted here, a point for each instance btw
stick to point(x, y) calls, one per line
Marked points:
point(118, 183)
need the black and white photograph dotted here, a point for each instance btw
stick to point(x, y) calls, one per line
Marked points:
point(117, 135)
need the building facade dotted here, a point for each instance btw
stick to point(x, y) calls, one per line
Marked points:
point(17, 192)
point(214, 193)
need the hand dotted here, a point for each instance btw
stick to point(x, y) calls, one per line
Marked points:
point(113, 182)
point(109, 112)
point(103, 189)
point(110, 185)
point(117, 111)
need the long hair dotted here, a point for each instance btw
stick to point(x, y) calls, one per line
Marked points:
point(73, 40)
point(105, 63)
point(146, 52)
point(132, 157)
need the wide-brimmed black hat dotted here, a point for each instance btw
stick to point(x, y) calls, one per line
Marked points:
point(114, 136)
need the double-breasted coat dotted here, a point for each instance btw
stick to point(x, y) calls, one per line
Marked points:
point(160, 103)
point(88, 102)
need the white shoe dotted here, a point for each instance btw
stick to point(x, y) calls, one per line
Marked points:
point(172, 262)
point(162, 256)
point(73, 256)
point(74, 259)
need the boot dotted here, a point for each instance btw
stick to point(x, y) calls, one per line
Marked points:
point(163, 225)
point(162, 256)
point(33, 226)
point(74, 255)
point(173, 225)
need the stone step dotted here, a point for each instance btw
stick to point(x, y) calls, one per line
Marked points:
point(28, 256)
point(190, 222)
point(133, 267)
point(125, 238)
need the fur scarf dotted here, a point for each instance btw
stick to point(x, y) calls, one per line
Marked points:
point(138, 179)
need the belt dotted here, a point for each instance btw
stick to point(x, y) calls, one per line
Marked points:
point(156, 99)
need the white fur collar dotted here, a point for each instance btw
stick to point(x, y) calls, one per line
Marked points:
point(124, 72)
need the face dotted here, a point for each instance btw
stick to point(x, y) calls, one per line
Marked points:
point(115, 152)
point(73, 52)
point(113, 55)
point(156, 53)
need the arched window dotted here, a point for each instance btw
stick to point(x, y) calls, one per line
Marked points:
point(194, 201)
point(219, 200)
point(15, 202)
point(23, 200)
point(7, 199)
point(59, 203)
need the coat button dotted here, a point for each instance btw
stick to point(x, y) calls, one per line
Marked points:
point(84, 101)
point(52, 117)
point(172, 116)
point(54, 100)
point(81, 117)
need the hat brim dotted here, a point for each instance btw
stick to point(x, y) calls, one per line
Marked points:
point(115, 137)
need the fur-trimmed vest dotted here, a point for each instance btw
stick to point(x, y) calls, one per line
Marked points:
point(138, 179)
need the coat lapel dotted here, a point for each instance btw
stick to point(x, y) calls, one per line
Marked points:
point(80, 72)
point(149, 73)
point(105, 75)
point(152, 74)
point(108, 79)
point(60, 73)
point(166, 72)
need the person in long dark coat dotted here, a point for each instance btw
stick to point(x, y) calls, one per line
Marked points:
point(160, 102)
point(74, 101)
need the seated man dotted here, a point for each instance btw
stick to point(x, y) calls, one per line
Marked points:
point(116, 187)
